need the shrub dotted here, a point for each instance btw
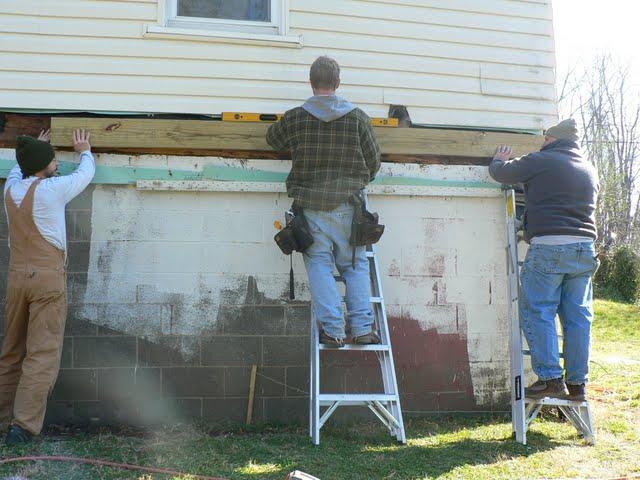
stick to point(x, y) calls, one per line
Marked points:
point(619, 275)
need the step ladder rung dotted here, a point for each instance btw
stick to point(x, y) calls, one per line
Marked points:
point(371, 299)
point(557, 402)
point(385, 406)
point(527, 352)
point(357, 397)
point(351, 347)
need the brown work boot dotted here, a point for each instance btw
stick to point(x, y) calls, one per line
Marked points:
point(370, 338)
point(577, 393)
point(554, 388)
point(329, 341)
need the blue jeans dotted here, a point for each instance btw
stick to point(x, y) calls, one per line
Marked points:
point(556, 279)
point(331, 249)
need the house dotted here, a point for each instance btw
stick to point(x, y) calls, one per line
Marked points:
point(176, 288)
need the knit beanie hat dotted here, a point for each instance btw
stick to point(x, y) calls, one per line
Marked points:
point(565, 130)
point(33, 155)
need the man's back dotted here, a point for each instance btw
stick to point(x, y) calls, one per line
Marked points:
point(562, 196)
point(333, 150)
point(51, 197)
point(561, 189)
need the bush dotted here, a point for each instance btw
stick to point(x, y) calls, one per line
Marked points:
point(618, 277)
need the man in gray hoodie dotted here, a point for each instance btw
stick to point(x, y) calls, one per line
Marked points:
point(561, 189)
point(334, 155)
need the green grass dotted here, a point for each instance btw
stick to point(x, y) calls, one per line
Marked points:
point(447, 447)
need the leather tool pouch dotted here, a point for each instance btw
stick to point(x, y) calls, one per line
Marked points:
point(365, 228)
point(296, 235)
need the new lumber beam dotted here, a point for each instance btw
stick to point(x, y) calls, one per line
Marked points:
point(426, 146)
point(136, 134)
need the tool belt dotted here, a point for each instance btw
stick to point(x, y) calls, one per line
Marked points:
point(295, 236)
point(365, 227)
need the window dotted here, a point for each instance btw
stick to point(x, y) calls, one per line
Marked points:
point(251, 16)
point(257, 22)
point(248, 10)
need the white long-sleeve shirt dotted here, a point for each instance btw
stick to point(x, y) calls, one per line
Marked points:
point(51, 197)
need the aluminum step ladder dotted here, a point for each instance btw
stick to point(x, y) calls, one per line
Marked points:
point(385, 405)
point(525, 410)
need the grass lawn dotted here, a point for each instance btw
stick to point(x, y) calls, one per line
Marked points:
point(476, 447)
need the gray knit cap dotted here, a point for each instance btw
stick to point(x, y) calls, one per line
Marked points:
point(565, 130)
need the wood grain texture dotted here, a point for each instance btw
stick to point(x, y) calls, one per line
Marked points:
point(13, 124)
point(193, 135)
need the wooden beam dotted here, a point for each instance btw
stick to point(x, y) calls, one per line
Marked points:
point(135, 134)
point(14, 124)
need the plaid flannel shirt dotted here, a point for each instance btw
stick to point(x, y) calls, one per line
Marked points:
point(330, 160)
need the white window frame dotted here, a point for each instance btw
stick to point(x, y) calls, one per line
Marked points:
point(273, 27)
point(171, 25)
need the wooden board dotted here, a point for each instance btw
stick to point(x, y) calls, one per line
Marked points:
point(193, 135)
point(14, 124)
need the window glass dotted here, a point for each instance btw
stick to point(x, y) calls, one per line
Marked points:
point(249, 10)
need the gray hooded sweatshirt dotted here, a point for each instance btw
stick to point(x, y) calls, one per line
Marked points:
point(328, 107)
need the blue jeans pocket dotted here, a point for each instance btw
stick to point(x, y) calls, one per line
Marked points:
point(547, 259)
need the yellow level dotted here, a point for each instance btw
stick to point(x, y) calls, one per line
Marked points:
point(274, 117)
point(250, 117)
point(384, 122)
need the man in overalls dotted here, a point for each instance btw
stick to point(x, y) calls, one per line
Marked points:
point(36, 303)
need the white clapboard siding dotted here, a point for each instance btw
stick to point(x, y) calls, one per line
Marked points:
point(455, 62)
point(510, 8)
point(298, 74)
point(87, 9)
point(165, 50)
point(402, 13)
point(383, 28)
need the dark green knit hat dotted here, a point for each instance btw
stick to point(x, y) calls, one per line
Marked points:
point(565, 130)
point(33, 155)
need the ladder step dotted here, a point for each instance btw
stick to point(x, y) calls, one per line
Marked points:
point(528, 352)
point(371, 299)
point(349, 346)
point(557, 401)
point(357, 397)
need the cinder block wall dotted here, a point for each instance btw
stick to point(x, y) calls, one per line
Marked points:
point(173, 296)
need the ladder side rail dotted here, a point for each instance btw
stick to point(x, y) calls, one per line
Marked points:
point(312, 394)
point(389, 367)
point(316, 384)
point(517, 365)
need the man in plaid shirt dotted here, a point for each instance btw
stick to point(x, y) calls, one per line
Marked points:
point(334, 155)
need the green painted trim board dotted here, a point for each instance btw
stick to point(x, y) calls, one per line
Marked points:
point(121, 175)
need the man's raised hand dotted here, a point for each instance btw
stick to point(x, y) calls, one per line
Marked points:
point(45, 135)
point(81, 140)
point(503, 152)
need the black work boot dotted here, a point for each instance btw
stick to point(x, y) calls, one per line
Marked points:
point(554, 388)
point(18, 435)
point(329, 341)
point(370, 338)
point(577, 393)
